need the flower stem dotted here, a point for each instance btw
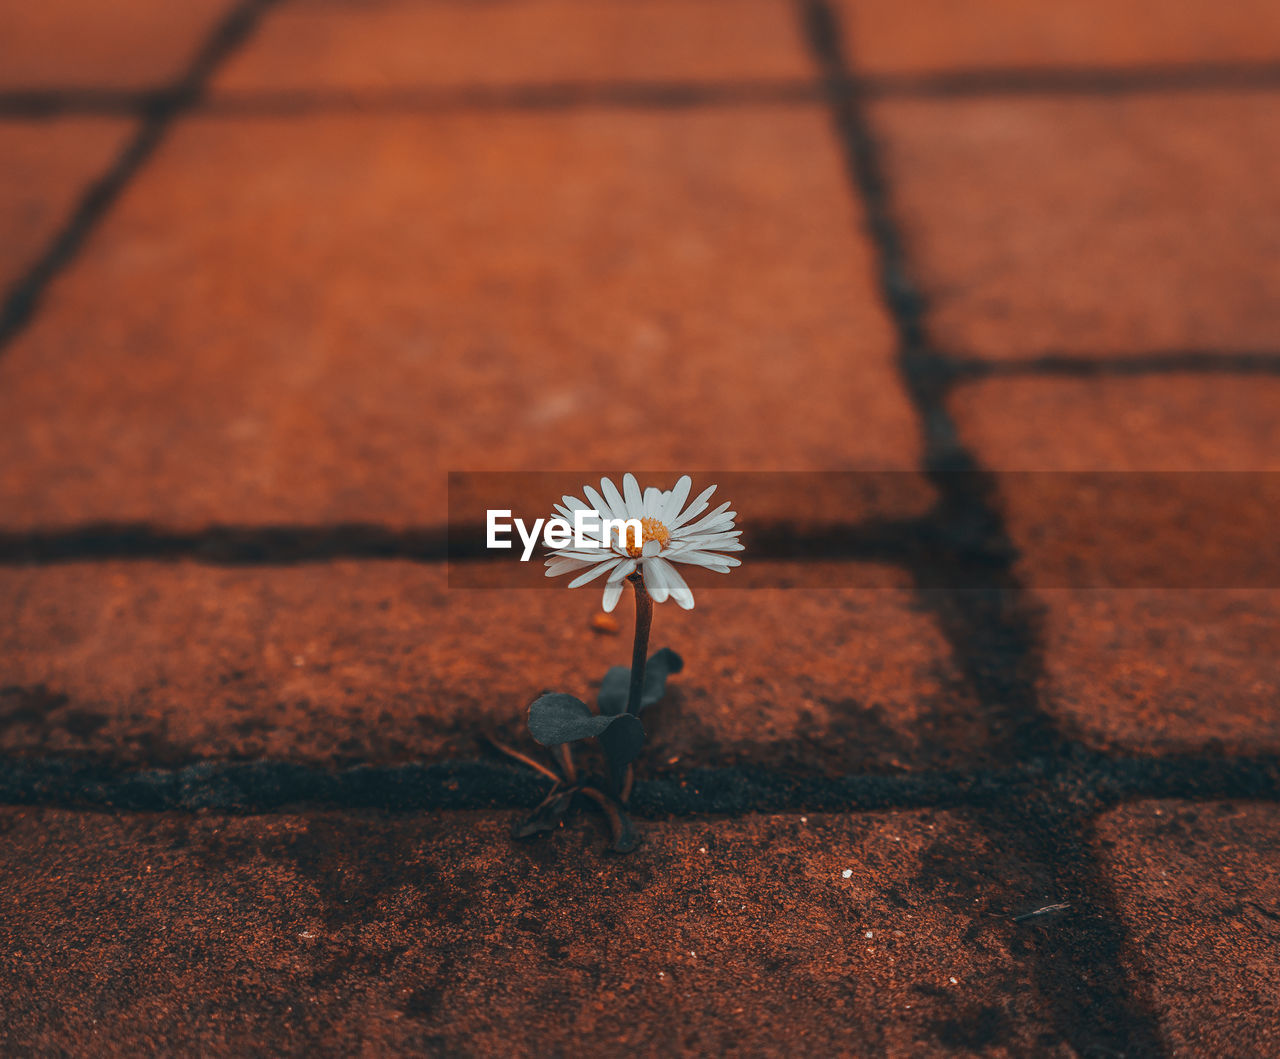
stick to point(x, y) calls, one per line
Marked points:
point(639, 652)
point(640, 649)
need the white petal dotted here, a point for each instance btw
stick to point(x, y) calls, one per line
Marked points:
point(715, 568)
point(611, 494)
point(622, 570)
point(700, 549)
point(672, 553)
point(697, 549)
point(675, 584)
point(591, 575)
point(693, 510)
point(599, 503)
point(569, 507)
point(709, 559)
point(652, 502)
point(706, 546)
point(635, 498)
point(655, 579)
point(726, 536)
point(651, 548)
point(611, 594)
point(711, 519)
point(719, 524)
point(558, 566)
point(675, 500)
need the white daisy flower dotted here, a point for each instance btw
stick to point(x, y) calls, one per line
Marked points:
point(671, 535)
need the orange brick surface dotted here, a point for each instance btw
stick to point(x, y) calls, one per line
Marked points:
point(1156, 668)
point(381, 662)
point(1197, 884)
point(83, 44)
point(47, 167)
point(385, 47)
point(329, 931)
point(369, 243)
point(940, 36)
point(315, 320)
point(1168, 422)
point(1091, 226)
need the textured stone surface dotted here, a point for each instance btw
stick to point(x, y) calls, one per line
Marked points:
point(1197, 885)
point(127, 44)
point(321, 294)
point(47, 167)
point(375, 48)
point(313, 320)
point(936, 35)
point(380, 662)
point(1165, 671)
point(1157, 669)
point(335, 932)
point(1091, 226)
point(1174, 421)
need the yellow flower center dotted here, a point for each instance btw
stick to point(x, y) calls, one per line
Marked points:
point(653, 531)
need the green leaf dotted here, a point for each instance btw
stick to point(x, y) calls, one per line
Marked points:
point(616, 685)
point(613, 690)
point(557, 718)
point(662, 663)
point(621, 740)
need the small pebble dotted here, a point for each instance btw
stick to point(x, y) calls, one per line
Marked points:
point(871, 933)
point(953, 981)
point(847, 873)
point(605, 623)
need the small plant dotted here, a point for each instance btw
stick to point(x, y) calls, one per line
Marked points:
point(663, 532)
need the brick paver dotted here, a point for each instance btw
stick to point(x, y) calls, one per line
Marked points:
point(381, 662)
point(83, 44)
point(1157, 669)
point(312, 320)
point(395, 239)
point(1091, 226)
point(1172, 671)
point(308, 47)
point(47, 168)
point(323, 931)
point(1198, 887)
point(939, 36)
point(1170, 421)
